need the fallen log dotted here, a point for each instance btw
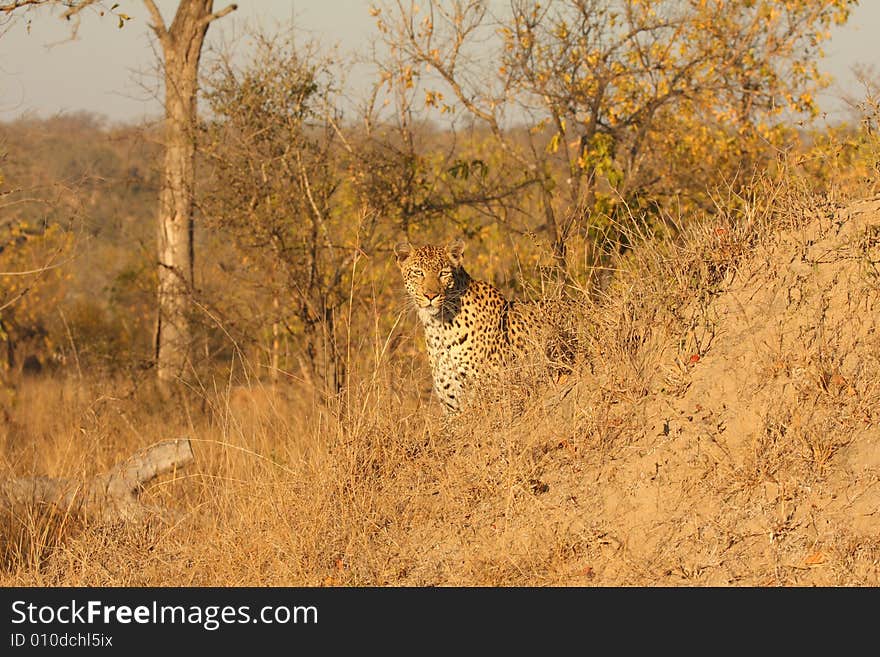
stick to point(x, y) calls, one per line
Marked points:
point(110, 496)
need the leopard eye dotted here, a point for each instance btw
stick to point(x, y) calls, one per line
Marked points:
point(418, 272)
point(445, 273)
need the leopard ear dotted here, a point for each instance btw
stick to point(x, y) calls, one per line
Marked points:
point(402, 250)
point(455, 251)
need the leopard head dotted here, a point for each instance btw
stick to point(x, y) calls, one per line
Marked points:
point(431, 274)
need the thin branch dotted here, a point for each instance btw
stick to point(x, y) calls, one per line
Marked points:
point(158, 25)
point(76, 7)
point(32, 271)
point(73, 6)
point(219, 14)
point(9, 7)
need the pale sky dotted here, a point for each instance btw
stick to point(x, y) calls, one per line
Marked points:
point(96, 72)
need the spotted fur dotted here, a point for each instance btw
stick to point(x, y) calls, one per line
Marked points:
point(471, 329)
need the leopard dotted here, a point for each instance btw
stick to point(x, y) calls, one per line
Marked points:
point(472, 330)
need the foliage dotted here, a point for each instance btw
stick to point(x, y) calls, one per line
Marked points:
point(300, 201)
point(274, 191)
point(31, 280)
point(75, 204)
point(629, 104)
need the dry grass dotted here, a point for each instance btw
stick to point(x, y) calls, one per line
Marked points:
point(720, 429)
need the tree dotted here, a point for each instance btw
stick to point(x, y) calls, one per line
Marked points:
point(181, 44)
point(181, 48)
point(628, 104)
point(276, 190)
point(71, 10)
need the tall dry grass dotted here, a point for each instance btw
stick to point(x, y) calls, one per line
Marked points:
point(533, 485)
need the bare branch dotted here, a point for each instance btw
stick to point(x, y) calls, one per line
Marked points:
point(72, 11)
point(111, 496)
point(73, 6)
point(76, 7)
point(40, 270)
point(9, 7)
point(158, 25)
point(219, 14)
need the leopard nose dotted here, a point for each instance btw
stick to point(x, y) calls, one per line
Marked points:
point(430, 296)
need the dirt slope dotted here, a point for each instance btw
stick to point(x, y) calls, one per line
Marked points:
point(759, 462)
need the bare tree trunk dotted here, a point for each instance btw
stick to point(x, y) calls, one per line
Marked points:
point(111, 496)
point(181, 48)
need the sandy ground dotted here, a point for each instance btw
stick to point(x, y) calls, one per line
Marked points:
point(759, 459)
